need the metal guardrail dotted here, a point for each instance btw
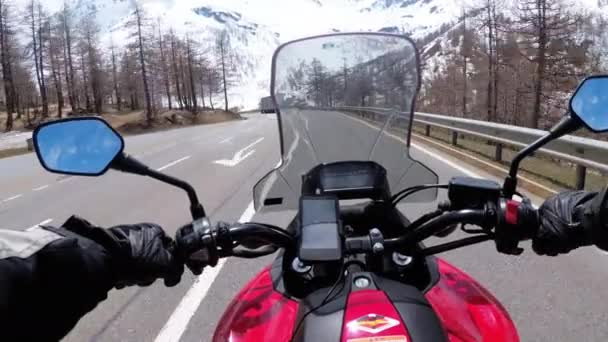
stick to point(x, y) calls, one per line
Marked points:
point(582, 152)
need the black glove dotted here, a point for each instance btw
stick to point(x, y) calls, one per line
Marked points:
point(561, 228)
point(140, 253)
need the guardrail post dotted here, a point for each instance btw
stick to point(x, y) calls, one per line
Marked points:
point(427, 132)
point(498, 154)
point(30, 144)
point(454, 138)
point(581, 175)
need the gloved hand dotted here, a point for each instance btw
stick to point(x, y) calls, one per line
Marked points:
point(561, 228)
point(140, 253)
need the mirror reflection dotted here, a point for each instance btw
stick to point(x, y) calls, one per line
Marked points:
point(84, 147)
point(590, 103)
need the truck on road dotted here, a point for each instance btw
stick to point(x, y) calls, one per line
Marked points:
point(266, 105)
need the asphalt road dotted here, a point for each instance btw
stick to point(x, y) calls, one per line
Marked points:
point(550, 299)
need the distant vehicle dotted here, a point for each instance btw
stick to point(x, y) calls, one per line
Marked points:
point(266, 105)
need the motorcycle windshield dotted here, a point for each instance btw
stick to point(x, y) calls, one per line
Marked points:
point(344, 97)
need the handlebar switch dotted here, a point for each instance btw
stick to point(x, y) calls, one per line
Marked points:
point(196, 245)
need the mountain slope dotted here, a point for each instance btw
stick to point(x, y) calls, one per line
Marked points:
point(257, 27)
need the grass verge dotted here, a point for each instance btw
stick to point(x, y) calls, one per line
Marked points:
point(11, 152)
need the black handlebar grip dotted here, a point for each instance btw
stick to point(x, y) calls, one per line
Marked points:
point(529, 220)
point(517, 221)
point(593, 216)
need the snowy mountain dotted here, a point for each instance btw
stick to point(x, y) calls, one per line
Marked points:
point(257, 27)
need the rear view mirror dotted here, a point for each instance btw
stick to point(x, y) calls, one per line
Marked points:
point(80, 146)
point(590, 103)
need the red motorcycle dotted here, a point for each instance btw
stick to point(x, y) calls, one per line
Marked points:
point(350, 267)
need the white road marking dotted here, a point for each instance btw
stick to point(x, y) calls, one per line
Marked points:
point(239, 156)
point(47, 221)
point(175, 327)
point(12, 198)
point(247, 214)
point(446, 161)
point(65, 179)
point(173, 163)
point(253, 143)
point(226, 140)
point(41, 187)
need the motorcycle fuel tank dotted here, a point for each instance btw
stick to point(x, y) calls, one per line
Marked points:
point(466, 310)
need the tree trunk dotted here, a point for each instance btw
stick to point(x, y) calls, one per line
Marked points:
point(540, 64)
point(210, 90)
point(94, 75)
point(56, 74)
point(85, 83)
point(43, 90)
point(223, 60)
point(175, 72)
point(185, 95)
point(464, 63)
point(6, 68)
point(35, 43)
point(191, 77)
point(142, 61)
point(496, 59)
point(489, 96)
point(163, 60)
point(115, 80)
point(202, 79)
point(68, 63)
point(28, 117)
point(17, 104)
point(55, 69)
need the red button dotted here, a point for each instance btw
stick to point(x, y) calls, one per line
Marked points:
point(512, 212)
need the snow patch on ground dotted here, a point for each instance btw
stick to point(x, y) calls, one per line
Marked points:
point(14, 140)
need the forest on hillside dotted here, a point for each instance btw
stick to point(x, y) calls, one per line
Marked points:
point(509, 61)
point(61, 67)
point(514, 62)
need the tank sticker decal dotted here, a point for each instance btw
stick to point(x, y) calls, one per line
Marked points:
point(372, 323)
point(393, 338)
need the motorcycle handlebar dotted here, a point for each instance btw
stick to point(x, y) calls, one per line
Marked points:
point(439, 223)
point(270, 234)
point(220, 240)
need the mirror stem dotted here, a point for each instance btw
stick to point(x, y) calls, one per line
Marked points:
point(565, 126)
point(128, 164)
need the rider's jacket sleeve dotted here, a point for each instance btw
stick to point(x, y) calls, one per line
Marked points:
point(49, 279)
